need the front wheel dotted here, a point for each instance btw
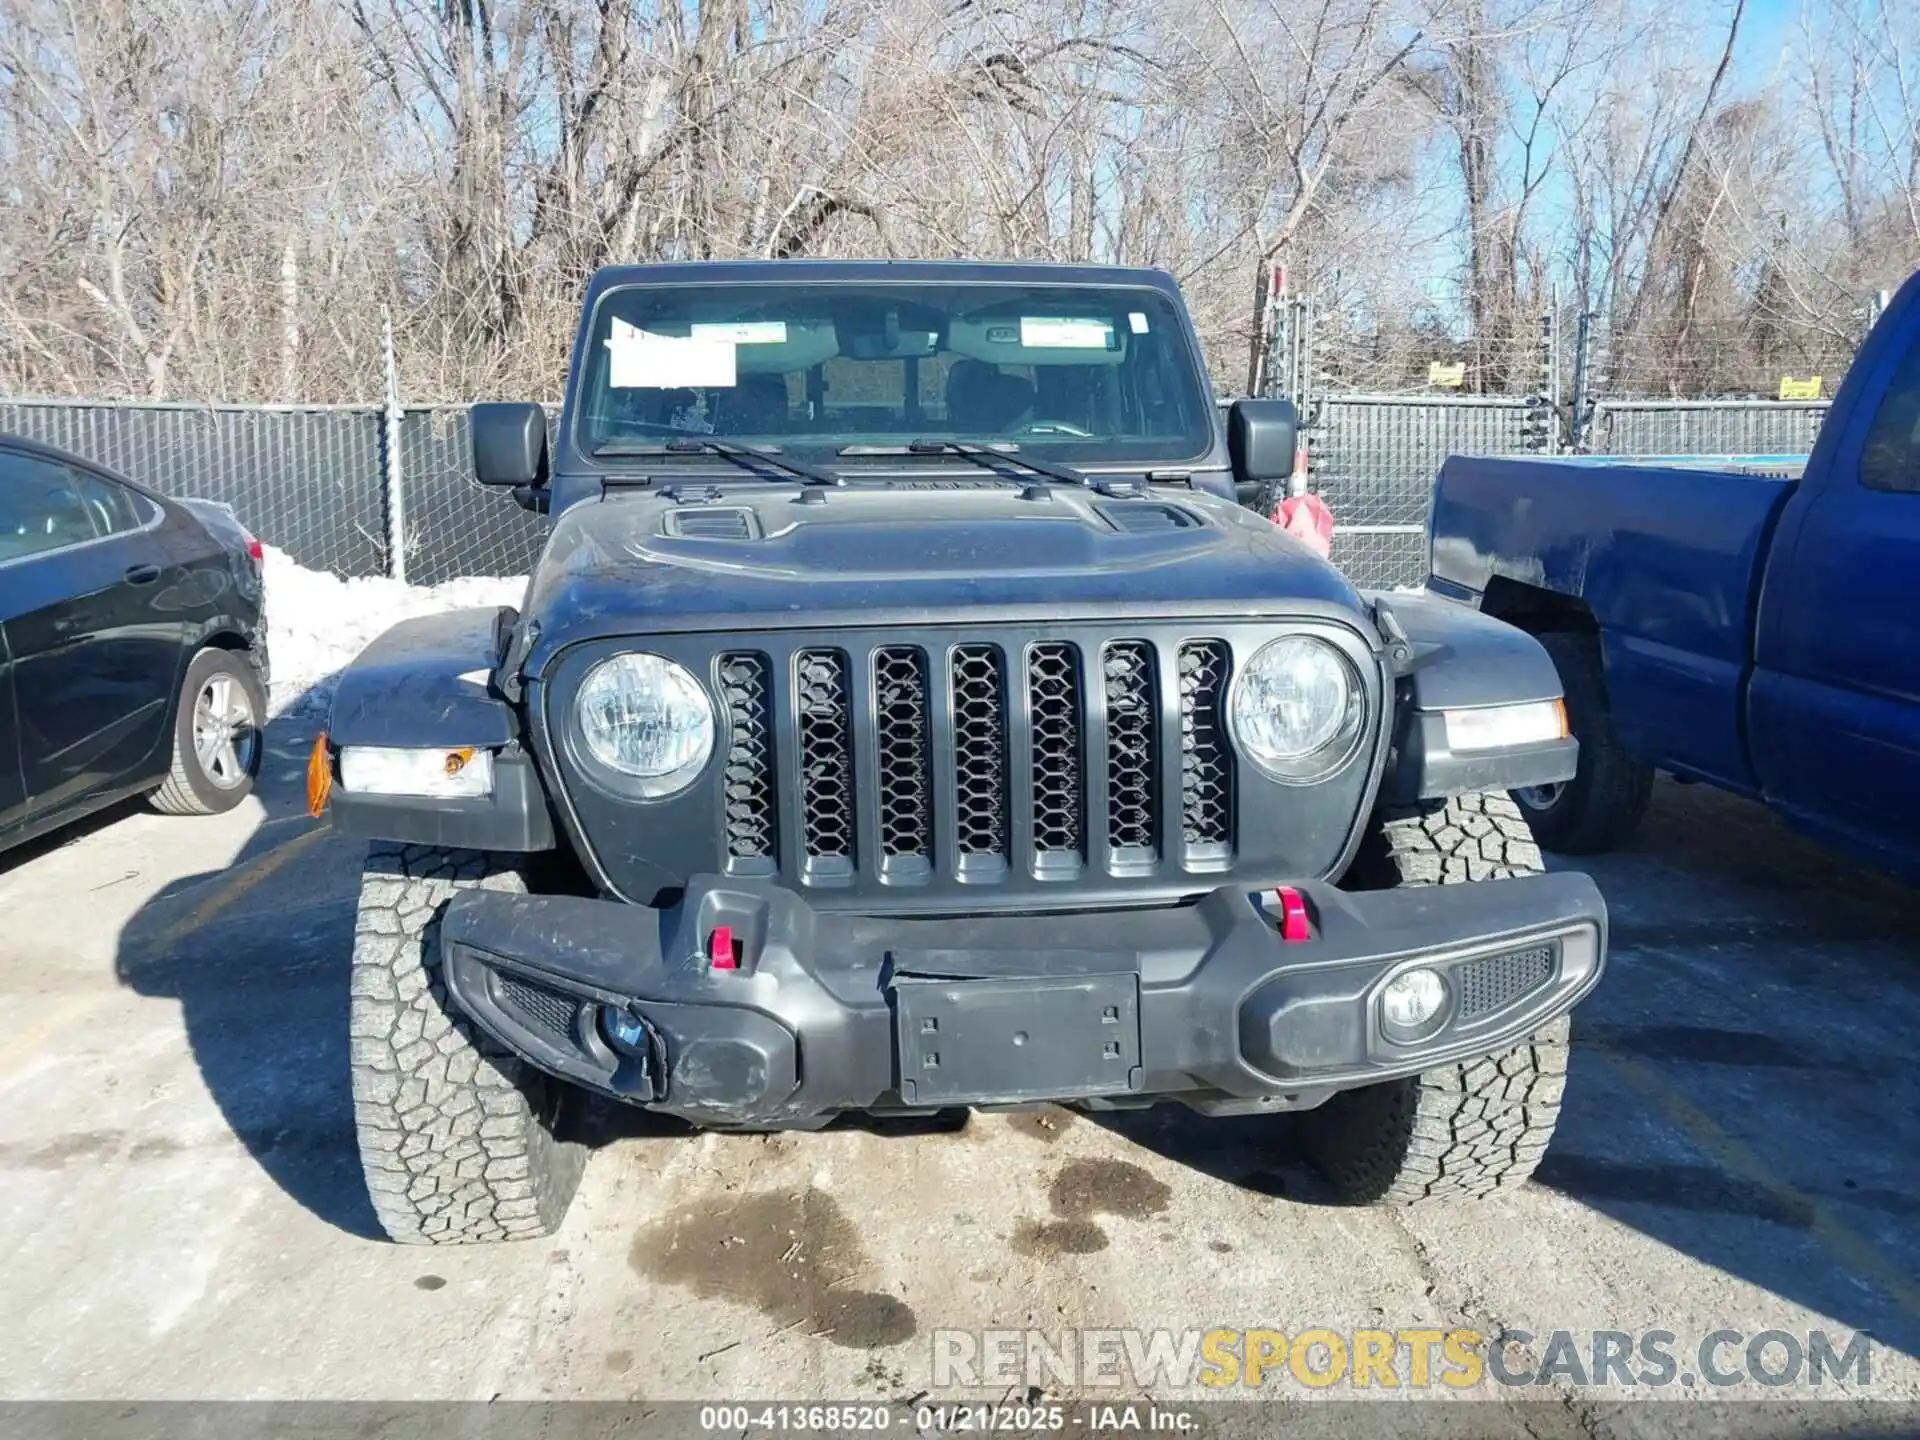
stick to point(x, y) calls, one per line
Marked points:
point(1465, 1129)
point(460, 1140)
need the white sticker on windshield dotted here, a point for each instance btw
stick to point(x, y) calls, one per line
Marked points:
point(744, 332)
point(1137, 321)
point(640, 360)
point(1059, 332)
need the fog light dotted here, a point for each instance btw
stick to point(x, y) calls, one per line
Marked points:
point(1411, 1002)
point(624, 1030)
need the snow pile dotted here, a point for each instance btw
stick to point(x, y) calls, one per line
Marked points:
point(317, 623)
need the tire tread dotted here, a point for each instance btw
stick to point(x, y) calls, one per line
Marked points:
point(1470, 1128)
point(457, 1135)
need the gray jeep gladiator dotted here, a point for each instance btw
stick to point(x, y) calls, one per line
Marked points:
point(904, 717)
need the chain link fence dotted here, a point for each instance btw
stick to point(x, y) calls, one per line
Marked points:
point(316, 482)
point(1374, 459)
point(1705, 427)
point(455, 526)
point(306, 479)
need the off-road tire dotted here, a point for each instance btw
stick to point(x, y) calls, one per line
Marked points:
point(461, 1141)
point(1599, 809)
point(1465, 1129)
point(188, 789)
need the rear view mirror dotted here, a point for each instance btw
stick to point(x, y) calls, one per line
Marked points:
point(509, 444)
point(1261, 436)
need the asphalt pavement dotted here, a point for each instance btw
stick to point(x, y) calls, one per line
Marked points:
point(182, 1217)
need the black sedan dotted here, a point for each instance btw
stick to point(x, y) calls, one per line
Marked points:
point(133, 653)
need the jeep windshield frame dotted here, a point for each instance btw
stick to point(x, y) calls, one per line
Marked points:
point(1076, 373)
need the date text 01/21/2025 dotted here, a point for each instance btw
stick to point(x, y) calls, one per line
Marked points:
point(981, 1418)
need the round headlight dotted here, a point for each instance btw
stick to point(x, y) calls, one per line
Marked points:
point(646, 718)
point(1297, 708)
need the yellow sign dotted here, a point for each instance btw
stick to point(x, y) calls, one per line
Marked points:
point(1451, 376)
point(1792, 389)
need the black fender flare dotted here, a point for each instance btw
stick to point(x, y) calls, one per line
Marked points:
point(432, 683)
point(1449, 656)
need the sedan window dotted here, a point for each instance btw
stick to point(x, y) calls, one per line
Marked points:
point(115, 508)
point(40, 507)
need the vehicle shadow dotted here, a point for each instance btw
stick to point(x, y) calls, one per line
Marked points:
point(1741, 1087)
point(256, 953)
point(72, 832)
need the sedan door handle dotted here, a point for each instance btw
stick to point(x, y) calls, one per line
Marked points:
point(142, 574)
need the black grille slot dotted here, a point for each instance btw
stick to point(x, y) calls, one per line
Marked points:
point(1497, 981)
point(824, 715)
point(1206, 766)
point(979, 750)
point(541, 1009)
point(1132, 751)
point(753, 812)
point(906, 784)
point(712, 524)
point(1053, 695)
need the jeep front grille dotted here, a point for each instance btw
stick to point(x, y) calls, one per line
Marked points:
point(1206, 765)
point(972, 760)
point(824, 712)
point(752, 812)
point(905, 745)
point(1133, 754)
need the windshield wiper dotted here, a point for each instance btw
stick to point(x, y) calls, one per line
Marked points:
point(984, 455)
point(728, 450)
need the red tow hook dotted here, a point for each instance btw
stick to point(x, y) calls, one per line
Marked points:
point(1293, 914)
point(721, 950)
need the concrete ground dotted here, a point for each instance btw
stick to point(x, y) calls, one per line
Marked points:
point(181, 1212)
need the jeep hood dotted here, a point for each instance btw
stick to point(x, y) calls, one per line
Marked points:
point(929, 554)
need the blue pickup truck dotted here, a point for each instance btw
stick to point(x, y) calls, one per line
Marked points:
point(1743, 626)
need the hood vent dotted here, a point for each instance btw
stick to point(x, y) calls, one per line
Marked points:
point(1147, 518)
point(723, 524)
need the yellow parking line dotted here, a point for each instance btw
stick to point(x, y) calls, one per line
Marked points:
point(21, 1049)
point(236, 884)
point(1851, 1249)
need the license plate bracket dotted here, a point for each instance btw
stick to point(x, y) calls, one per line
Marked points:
point(1005, 1040)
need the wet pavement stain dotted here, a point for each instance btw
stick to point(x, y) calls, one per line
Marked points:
point(1043, 1239)
point(429, 1282)
point(618, 1362)
point(1082, 1190)
point(57, 1154)
point(1046, 1126)
point(787, 1255)
point(1106, 1187)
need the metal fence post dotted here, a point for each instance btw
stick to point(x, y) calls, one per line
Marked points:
point(396, 486)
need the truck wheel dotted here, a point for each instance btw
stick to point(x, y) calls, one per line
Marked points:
point(458, 1138)
point(1468, 1128)
point(216, 736)
point(1599, 808)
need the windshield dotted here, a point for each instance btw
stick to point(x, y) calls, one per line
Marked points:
point(1069, 373)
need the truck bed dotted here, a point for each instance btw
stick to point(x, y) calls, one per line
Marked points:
point(1665, 556)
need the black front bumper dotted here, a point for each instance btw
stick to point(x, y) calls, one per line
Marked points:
point(1204, 1003)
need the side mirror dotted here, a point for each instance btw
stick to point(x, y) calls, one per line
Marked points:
point(1261, 436)
point(509, 444)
